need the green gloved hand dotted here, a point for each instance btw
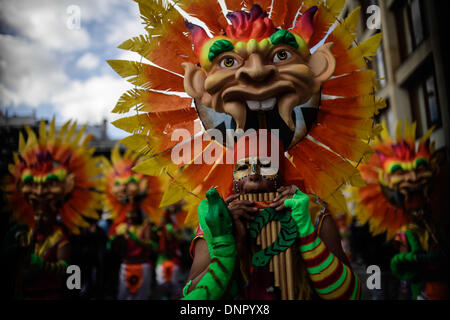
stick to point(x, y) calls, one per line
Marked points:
point(36, 261)
point(299, 204)
point(133, 236)
point(405, 265)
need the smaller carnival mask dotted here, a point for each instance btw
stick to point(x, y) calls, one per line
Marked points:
point(46, 184)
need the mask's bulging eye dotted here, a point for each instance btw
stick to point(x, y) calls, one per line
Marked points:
point(228, 62)
point(281, 55)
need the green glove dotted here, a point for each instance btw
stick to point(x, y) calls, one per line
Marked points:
point(299, 204)
point(216, 223)
point(405, 264)
point(133, 236)
point(36, 261)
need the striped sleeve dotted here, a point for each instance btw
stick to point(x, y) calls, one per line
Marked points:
point(331, 278)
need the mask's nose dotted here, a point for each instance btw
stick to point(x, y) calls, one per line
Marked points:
point(255, 70)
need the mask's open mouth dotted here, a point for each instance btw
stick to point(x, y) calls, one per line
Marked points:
point(263, 114)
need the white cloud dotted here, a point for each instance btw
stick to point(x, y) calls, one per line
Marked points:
point(90, 101)
point(44, 63)
point(45, 23)
point(29, 72)
point(88, 61)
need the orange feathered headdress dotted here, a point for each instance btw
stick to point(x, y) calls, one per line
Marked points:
point(324, 160)
point(69, 152)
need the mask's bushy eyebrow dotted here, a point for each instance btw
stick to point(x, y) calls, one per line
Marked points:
point(219, 47)
point(284, 37)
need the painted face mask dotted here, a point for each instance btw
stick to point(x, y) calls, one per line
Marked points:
point(257, 67)
point(257, 167)
point(54, 174)
point(128, 192)
point(398, 179)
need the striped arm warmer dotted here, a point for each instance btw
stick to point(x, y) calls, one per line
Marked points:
point(331, 278)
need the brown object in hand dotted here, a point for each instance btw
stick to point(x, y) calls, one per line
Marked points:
point(281, 265)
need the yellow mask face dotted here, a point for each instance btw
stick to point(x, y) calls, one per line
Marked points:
point(254, 165)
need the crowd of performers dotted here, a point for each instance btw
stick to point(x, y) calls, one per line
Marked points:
point(71, 208)
point(315, 191)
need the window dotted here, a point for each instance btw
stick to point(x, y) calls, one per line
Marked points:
point(410, 17)
point(424, 100)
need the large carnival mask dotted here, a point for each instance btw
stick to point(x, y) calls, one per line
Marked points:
point(258, 74)
point(46, 184)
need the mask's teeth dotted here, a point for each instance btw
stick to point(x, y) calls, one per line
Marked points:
point(253, 105)
point(268, 104)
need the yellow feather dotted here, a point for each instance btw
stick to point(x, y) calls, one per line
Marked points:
point(173, 194)
point(129, 124)
point(138, 143)
point(139, 44)
point(115, 154)
point(42, 133)
point(356, 57)
point(79, 136)
point(398, 132)
point(32, 139)
point(151, 167)
point(427, 135)
point(128, 100)
point(346, 31)
point(11, 169)
point(63, 130)
point(410, 132)
point(21, 142)
point(385, 133)
point(71, 132)
point(51, 134)
point(87, 140)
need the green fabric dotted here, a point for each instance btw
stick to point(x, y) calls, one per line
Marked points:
point(299, 204)
point(286, 239)
point(217, 226)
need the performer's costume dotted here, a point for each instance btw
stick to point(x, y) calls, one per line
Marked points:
point(169, 268)
point(133, 200)
point(53, 176)
point(255, 72)
point(404, 197)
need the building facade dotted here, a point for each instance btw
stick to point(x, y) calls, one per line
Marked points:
point(411, 65)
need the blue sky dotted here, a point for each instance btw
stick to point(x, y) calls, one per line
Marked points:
point(49, 65)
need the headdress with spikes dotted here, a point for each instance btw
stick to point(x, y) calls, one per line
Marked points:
point(62, 153)
point(372, 206)
point(336, 142)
